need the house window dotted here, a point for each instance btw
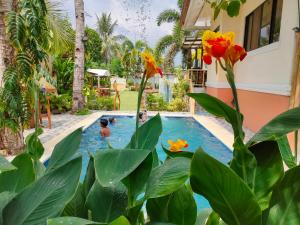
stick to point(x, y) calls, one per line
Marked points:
point(263, 25)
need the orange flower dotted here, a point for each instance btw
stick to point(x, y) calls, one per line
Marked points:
point(150, 65)
point(219, 46)
point(177, 146)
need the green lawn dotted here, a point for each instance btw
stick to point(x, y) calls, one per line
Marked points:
point(129, 100)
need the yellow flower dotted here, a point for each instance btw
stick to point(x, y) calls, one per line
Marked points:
point(177, 146)
point(150, 65)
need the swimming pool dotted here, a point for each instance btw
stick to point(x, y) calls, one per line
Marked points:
point(186, 128)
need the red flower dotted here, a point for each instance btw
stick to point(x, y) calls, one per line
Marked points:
point(207, 59)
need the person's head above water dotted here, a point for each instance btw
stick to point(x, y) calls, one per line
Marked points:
point(112, 120)
point(103, 122)
point(141, 115)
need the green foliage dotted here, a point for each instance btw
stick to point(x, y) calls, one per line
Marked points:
point(177, 105)
point(100, 103)
point(63, 68)
point(61, 103)
point(5, 165)
point(232, 7)
point(116, 67)
point(156, 103)
point(83, 112)
point(93, 46)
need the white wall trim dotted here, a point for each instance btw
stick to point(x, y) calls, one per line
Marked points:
point(278, 89)
point(265, 49)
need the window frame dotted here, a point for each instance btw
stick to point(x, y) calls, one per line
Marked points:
point(272, 26)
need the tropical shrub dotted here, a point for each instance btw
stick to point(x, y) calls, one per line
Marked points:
point(156, 103)
point(61, 103)
point(178, 105)
point(101, 103)
point(63, 68)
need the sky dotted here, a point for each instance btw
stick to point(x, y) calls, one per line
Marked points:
point(136, 18)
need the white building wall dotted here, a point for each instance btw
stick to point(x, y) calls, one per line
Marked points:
point(269, 68)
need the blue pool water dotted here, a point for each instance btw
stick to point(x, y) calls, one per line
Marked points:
point(173, 128)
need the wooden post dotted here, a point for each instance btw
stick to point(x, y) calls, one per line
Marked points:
point(295, 85)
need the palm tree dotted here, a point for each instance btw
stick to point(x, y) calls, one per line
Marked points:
point(106, 27)
point(78, 82)
point(170, 45)
point(131, 56)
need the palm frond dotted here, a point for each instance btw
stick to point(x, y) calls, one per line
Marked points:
point(168, 16)
point(170, 56)
point(163, 44)
point(16, 29)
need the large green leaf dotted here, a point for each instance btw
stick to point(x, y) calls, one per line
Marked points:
point(243, 163)
point(168, 177)
point(76, 207)
point(286, 152)
point(71, 221)
point(182, 208)
point(203, 216)
point(285, 201)
point(281, 125)
point(45, 198)
point(217, 108)
point(16, 180)
point(113, 165)
point(233, 8)
point(89, 178)
point(268, 172)
point(34, 147)
point(148, 134)
point(107, 203)
point(5, 165)
point(120, 221)
point(5, 198)
point(159, 223)
point(134, 214)
point(64, 151)
point(226, 192)
point(137, 180)
point(157, 208)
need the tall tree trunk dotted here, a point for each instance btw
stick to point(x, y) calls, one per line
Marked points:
point(12, 142)
point(78, 98)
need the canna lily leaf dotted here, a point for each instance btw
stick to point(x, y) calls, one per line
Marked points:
point(71, 221)
point(285, 201)
point(187, 154)
point(107, 203)
point(217, 108)
point(168, 177)
point(149, 134)
point(286, 152)
point(16, 180)
point(120, 221)
point(114, 165)
point(64, 151)
point(53, 190)
point(5, 165)
point(226, 192)
point(281, 125)
point(269, 170)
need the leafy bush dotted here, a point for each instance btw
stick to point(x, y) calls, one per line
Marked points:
point(156, 103)
point(61, 103)
point(178, 105)
point(83, 112)
point(101, 103)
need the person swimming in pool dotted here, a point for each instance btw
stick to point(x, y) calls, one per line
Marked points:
point(105, 131)
point(112, 120)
